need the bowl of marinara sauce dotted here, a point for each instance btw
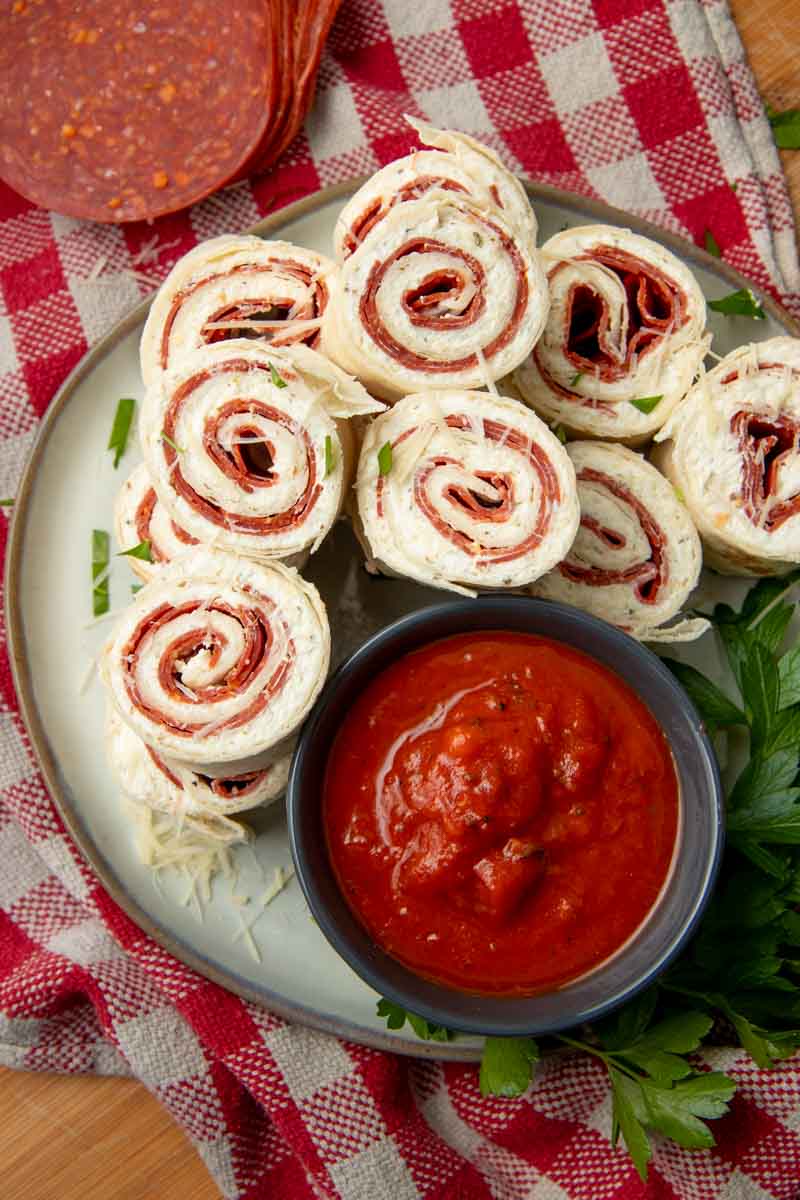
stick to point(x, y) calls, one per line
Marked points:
point(505, 815)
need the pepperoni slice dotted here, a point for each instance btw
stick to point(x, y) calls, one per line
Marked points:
point(120, 112)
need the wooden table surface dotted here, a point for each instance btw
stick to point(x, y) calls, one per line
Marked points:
point(82, 1138)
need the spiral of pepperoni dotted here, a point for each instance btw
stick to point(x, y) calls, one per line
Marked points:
point(236, 287)
point(204, 656)
point(139, 516)
point(769, 444)
point(624, 337)
point(732, 449)
point(479, 492)
point(636, 557)
point(241, 450)
point(218, 659)
point(649, 575)
point(455, 163)
point(439, 293)
point(163, 784)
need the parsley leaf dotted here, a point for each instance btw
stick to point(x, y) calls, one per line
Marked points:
point(396, 1016)
point(676, 1111)
point(118, 439)
point(6, 503)
point(646, 404)
point(785, 127)
point(789, 676)
point(507, 1066)
point(277, 379)
point(630, 1022)
point(711, 244)
point(739, 304)
point(713, 705)
point(100, 561)
point(760, 690)
point(629, 1117)
point(142, 550)
point(385, 458)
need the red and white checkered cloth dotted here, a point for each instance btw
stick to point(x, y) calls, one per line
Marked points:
point(647, 104)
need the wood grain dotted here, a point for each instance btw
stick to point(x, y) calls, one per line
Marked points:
point(79, 1138)
point(768, 29)
point(82, 1138)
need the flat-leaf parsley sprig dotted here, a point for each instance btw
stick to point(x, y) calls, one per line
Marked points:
point(743, 966)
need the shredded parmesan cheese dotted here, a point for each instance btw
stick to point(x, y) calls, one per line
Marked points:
point(150, 252)
point(97, 269)
point(199, 848)
point(280, 878)
point(487, 379)
point(287, 326)
point(87, 677)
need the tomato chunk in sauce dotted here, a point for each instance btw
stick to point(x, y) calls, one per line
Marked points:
point(501, 812)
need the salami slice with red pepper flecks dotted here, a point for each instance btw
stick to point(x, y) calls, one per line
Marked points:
point(120, 112)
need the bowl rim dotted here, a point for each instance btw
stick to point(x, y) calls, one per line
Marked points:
point(297, 797)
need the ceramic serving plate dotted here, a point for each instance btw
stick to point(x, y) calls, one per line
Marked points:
point(67, 491)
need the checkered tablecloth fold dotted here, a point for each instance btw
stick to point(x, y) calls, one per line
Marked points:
point(647, 104)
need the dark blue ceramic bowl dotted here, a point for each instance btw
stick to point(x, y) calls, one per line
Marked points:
point(695, 865)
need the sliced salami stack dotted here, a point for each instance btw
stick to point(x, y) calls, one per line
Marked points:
point(120, 112)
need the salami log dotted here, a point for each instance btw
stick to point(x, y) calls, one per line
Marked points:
point(166, 786)
point(232, 287)
point(624, 339)
point(139, 516)
point(119, 112)
point(218, 660)
point(456, 164)
point(637, 555)
point(465, 490)
point(248, 446)
point(440, 293)
point(732, 449)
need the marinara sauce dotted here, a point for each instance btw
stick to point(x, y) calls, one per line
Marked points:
point(501, 812)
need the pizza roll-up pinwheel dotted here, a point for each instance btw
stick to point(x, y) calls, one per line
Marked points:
point(218, 660)
point(456, 163)
point(440, 293)
point(465, 490)
point(248, 446)
point(637, 555)
point(624, 338)
point(168, 786)
point(235, 286)
point(732, 450)
point(139, 516)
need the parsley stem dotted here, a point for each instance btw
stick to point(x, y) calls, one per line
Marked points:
point(610, 1059)
point(586, 1047)
point(682, 991)
point(759, 617)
